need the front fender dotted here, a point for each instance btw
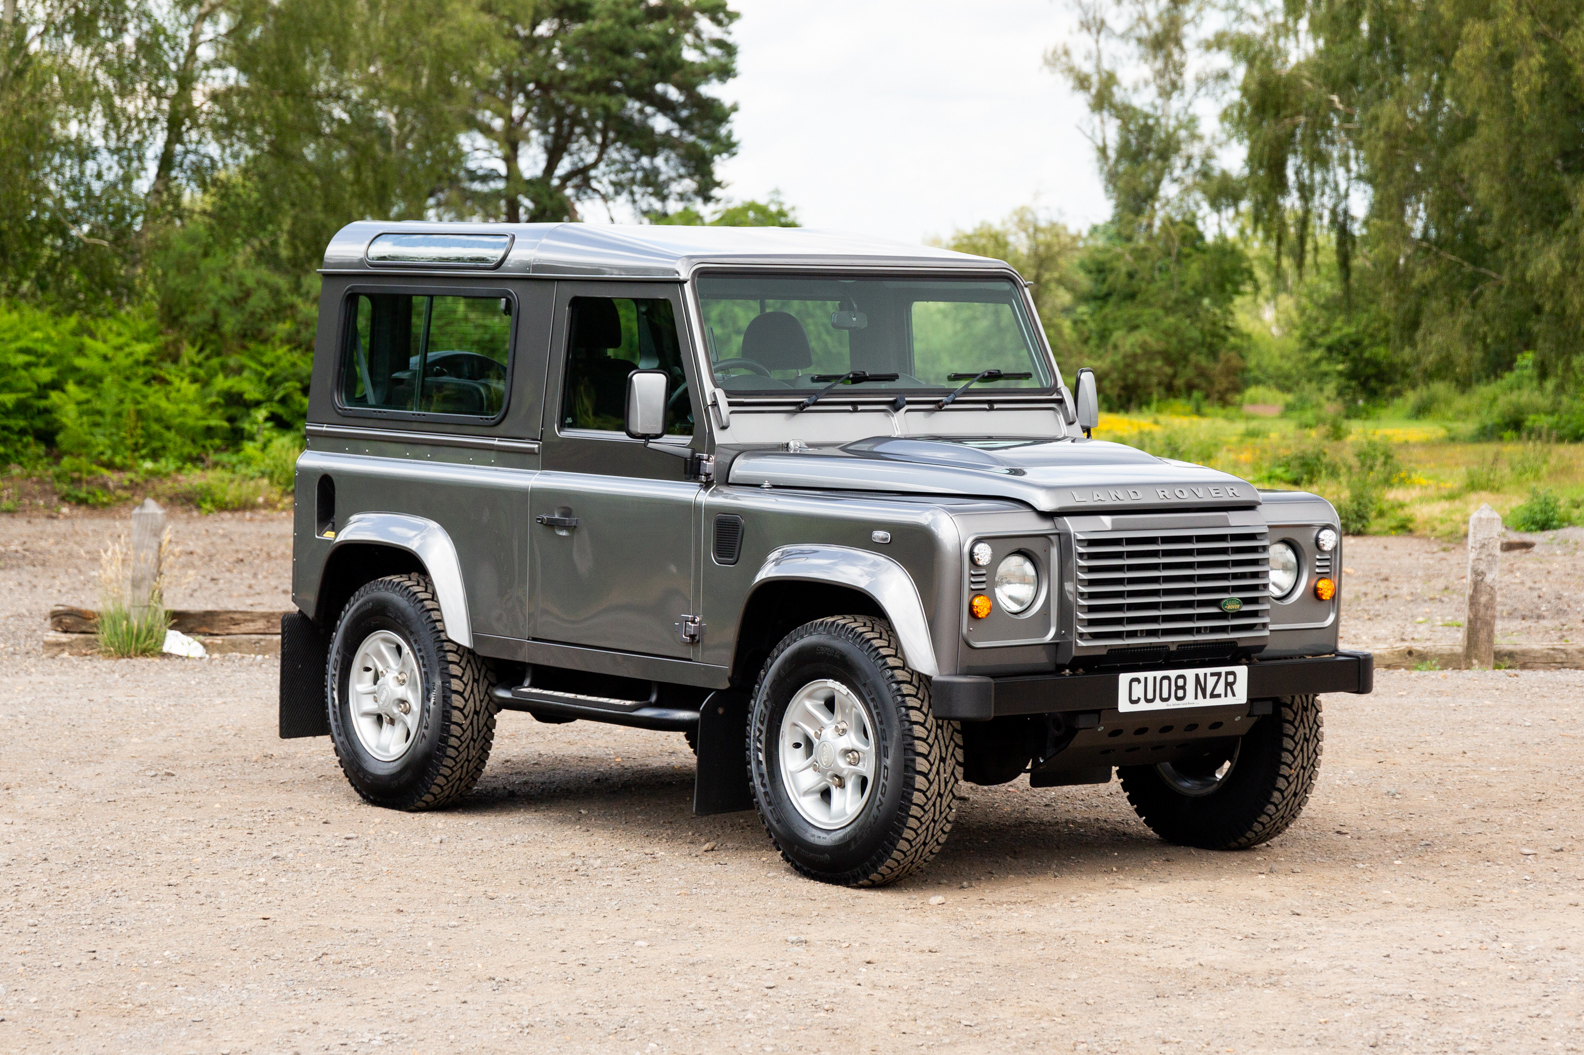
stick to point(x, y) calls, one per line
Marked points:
point(881, 578)
point(429, 542)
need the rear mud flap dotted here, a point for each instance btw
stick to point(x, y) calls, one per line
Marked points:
point(304, 652)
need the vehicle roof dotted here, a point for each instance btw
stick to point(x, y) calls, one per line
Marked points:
point(649, 250)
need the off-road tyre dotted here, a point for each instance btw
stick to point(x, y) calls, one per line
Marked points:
point(691, 736)
point(457, 728)
point(910, 808)
point(1262, 794)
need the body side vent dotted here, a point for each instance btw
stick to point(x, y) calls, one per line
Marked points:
point(728, 538)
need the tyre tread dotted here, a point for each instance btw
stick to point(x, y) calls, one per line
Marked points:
point(467, 711)
point(1302, 742)
point(932, 758)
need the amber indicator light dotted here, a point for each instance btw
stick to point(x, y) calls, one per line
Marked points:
point(979, 606)
point(1325, 589)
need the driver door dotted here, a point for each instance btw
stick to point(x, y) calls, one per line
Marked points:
point(614, 558)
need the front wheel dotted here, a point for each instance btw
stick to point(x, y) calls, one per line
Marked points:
point(852, 774)
point(410, 711)
point(1238, 795)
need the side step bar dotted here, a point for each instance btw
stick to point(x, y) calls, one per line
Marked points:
point(643, 714)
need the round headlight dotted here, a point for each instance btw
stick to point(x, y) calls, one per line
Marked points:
point(981, 553)
point(1283, 569)
point(1326, 539)
point(1016, 583)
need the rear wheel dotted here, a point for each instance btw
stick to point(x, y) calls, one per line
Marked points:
point(1240, 794)
point(852, 773)
point(410, 711)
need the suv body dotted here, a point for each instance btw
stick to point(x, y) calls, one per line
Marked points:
point(1024, 599)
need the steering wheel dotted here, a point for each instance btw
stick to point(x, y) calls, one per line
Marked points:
point(741, 364)
point(680, 395)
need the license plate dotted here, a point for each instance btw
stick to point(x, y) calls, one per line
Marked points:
point(1159, 690)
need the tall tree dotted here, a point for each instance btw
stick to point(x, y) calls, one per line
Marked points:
point(342, 110)
point(1156, 302)
point(1045, 252)
point(1443, 143)
point(599, 100)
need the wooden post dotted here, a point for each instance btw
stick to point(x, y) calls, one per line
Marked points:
point(1484, 554)
point(148, 538)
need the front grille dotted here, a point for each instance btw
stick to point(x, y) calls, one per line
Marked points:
point(1168, 585)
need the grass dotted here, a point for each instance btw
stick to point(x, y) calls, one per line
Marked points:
point(1384, 476)
point(127, 635)
point(127, 628)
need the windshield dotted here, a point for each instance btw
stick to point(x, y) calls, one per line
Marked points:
point(770, 334)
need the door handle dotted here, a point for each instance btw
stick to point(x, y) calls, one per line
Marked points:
point(560, 523)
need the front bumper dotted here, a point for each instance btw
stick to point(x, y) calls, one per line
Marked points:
point(979, 699)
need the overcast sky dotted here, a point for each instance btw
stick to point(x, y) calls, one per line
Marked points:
point(908, 118)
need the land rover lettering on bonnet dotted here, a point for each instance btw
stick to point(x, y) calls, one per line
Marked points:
point(825, 506)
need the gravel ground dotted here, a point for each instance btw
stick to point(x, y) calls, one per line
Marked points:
point(1404, 590)
point(175, 878)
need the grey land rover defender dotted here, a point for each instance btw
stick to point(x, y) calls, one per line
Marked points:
point(823, 504)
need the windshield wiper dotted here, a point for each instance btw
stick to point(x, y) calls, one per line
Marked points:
point(856, 377)
point(974, 379)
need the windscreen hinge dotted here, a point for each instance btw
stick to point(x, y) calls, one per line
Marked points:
point(701, 467)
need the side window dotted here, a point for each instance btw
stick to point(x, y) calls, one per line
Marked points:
point(607, 339)
point(437, 355)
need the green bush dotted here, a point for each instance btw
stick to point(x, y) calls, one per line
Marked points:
point(1431, 401)
point(279, 461)
point(1184, 445)
point(1520, 404)
point(1299, 466)
point(32, 343)
point(1357, 511)
point(220, 490)
point(1566, 426)
point(128, 402)
point(118, 393)
point(1376, 460)
point(1544, 511)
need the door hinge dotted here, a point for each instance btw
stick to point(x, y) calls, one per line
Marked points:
point(689, 629)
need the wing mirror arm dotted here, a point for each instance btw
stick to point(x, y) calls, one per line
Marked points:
point(1088, 401)
point(647, 392)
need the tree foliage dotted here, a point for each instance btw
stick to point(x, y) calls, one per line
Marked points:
point(772, 212)
point(1156, 311)
point(1442, 144)
point(1046, 253)
point(171, 171)
point(585, 100)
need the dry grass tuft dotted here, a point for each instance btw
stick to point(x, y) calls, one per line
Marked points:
point(129, 626)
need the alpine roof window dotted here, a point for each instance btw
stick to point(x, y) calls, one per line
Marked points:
point(439, 250)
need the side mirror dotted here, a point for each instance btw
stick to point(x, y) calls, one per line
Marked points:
point(646, 403)
point(1088, 401)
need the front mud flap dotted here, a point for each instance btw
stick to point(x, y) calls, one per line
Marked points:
point(721, 784)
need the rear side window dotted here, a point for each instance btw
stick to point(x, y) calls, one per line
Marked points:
point(427, 354)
